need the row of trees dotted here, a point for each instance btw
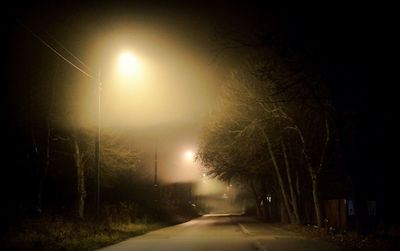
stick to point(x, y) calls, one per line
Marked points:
point(49, 133)
point(271, 137)
point(310, 116)
point(51, 157)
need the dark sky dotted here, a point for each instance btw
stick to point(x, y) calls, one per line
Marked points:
point(351, 43)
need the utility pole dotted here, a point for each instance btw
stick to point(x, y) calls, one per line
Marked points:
point(155, 165)
point(97, 146)
point(156, 187)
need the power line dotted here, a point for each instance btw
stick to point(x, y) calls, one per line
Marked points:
point(54, 50)
point(64, 48)
point(69, 52)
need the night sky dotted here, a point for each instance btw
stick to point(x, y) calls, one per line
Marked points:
point(350, 44)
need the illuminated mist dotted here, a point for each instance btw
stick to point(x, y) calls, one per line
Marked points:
point(166, 100)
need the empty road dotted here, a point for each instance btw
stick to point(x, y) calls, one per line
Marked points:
point(221, 232)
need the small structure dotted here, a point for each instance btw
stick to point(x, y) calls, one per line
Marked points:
point(336, 213)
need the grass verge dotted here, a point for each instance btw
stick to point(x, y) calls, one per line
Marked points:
point(348, 241)
point(57, 233)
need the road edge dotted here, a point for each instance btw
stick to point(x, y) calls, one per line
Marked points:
point(257, 245)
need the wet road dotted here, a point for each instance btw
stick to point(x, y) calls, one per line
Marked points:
point(233, 233)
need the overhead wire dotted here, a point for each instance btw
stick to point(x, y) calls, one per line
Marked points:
point(68, 51)
point(55, 51)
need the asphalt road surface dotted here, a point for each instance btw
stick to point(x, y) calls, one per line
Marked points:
point(222, 232)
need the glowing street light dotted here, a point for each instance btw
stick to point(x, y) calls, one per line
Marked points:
point(128, 66)
point(189, 155)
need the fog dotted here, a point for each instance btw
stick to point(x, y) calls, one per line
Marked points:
point(165, 103)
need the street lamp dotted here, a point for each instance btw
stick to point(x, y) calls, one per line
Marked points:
point(189, 155)
point(128, 64)
point(128, 67)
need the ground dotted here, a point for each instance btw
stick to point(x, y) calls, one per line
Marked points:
point(233, 233)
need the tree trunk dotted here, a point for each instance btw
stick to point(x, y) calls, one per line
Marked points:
point(283, 212)
point(291, 189)
point(280, 180)
point(256, 198)
point(297, 184)
point(313, 174)
point(80, 180)
point(42, 171)
point(265, 211)
point(318, 214)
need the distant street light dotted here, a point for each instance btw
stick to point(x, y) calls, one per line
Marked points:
point(189, 155)
point(128, 66)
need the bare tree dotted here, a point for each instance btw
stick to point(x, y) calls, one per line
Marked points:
point(293, 194)
point(257, 119)
point(81, 156)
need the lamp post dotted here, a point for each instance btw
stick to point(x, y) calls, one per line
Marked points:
point(155, 166)
point(128, 66)
point(97, 144)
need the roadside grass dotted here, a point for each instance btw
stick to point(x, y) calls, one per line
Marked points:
point(348, 241)
point(58, 233)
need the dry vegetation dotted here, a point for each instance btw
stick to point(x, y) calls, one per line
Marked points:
point(349, 241)
point(54, 232)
